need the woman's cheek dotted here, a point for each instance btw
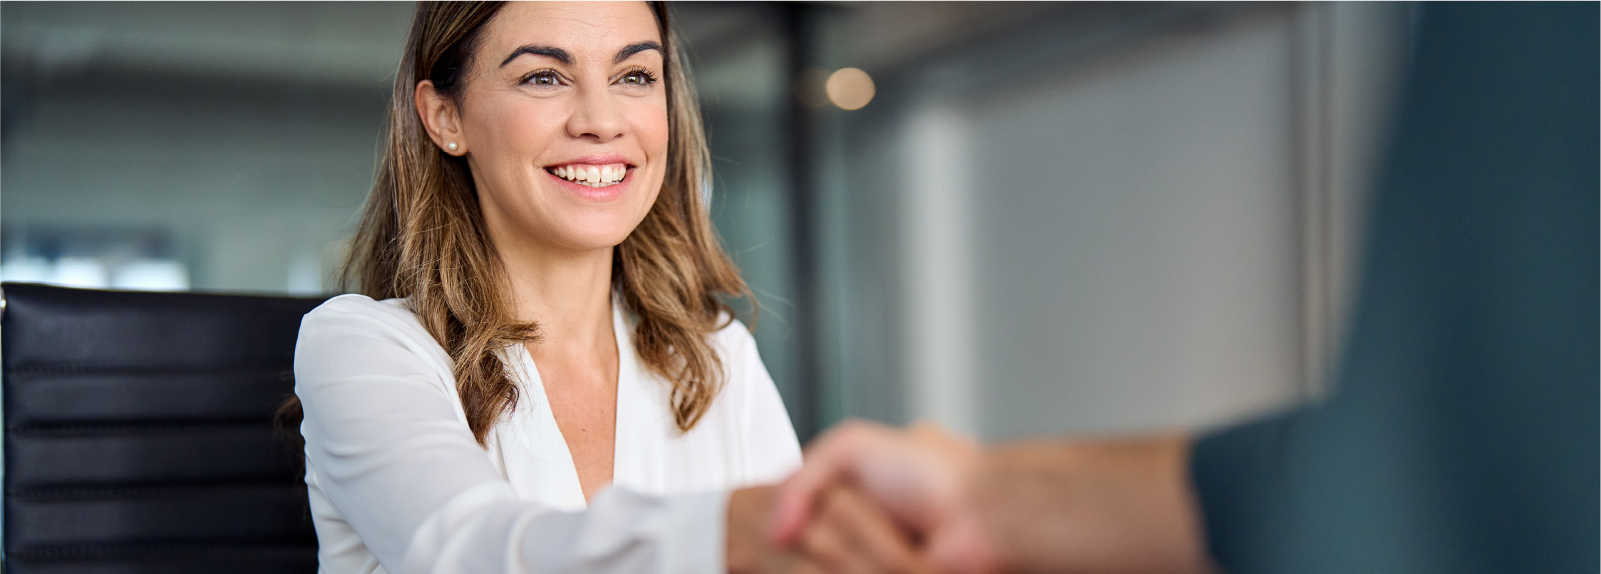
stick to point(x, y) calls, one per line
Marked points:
point(542, 126)
point(653, 130)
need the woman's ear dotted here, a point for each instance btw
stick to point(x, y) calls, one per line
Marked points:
point(441, 118)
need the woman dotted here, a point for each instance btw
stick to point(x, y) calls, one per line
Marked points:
point(539, 316)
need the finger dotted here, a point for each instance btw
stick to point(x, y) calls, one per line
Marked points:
point(824, 544)
point(850, 538)
point(881, 545)
point(829, 459)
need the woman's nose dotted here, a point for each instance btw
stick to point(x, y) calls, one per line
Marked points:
point(596, 115)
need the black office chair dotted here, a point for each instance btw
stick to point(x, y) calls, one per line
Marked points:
point(139, 433)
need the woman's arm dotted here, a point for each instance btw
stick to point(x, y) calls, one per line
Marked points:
point(621, 532)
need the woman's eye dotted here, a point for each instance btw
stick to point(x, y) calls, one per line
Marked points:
point(638, 78)
point(542, 78)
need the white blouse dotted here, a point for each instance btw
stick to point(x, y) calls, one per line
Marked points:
point(398, 484)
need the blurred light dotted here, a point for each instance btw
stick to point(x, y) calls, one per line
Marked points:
point(80, 272)
point(31, 270)
point(93, 273)
point(850, 88)
point(151, 275)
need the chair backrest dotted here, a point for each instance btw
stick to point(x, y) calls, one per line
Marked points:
point(139, 433)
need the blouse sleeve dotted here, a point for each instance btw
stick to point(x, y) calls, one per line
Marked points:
point(774, 452)
point(394, 455)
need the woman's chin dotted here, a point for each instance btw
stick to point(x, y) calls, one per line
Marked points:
point(592, 239)
point(591, 222)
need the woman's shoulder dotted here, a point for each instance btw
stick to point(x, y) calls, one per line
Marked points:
point(354, 303)
point(353, 334)
point(362, 313)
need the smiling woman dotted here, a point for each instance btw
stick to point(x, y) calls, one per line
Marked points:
point(538, 343)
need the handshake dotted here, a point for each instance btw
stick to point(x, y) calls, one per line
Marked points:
point(921, 500)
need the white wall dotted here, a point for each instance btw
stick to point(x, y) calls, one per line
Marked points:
point(1136, 239)
point(1154, 229)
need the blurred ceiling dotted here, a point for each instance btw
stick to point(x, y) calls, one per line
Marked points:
point(321, 42)
point(348, 50)
point(357, 40)
point(889, 35)
point(78, 47)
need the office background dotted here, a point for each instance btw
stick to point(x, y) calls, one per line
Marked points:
point(1049, 217)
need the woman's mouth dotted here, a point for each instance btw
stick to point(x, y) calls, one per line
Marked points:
point(591, 175)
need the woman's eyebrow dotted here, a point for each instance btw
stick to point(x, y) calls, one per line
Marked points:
point(562, 56)
point(559, 54)
point(636, 48)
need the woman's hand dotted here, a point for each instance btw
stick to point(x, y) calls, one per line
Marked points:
point(750, 549)
point(852, 535)
point(923, 477)
point(847, 534)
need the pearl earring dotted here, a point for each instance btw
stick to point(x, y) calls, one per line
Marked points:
point(451, 145)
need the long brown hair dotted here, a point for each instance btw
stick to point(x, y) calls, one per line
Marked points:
point(423, 238)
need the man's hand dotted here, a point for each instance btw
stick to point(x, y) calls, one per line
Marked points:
point(1046, 506)
point(848, 535)
point(922, 477)
point(851, 535)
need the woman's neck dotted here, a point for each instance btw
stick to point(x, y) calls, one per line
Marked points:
point(568, 294)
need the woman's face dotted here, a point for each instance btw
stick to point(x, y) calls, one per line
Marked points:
point(563, 121)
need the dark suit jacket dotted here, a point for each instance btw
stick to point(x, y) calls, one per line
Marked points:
point(1462, 435)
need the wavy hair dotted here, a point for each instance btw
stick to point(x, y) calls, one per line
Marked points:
point(422, 237)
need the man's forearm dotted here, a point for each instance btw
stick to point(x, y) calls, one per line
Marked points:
point(1108, 506)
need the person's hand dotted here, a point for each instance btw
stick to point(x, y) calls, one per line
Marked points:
point(1121, 505)
point(922, 477)
point(847, 535)
point(750, 549)
point(852, 535)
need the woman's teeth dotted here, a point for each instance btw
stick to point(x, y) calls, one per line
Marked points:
point(592, 175)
